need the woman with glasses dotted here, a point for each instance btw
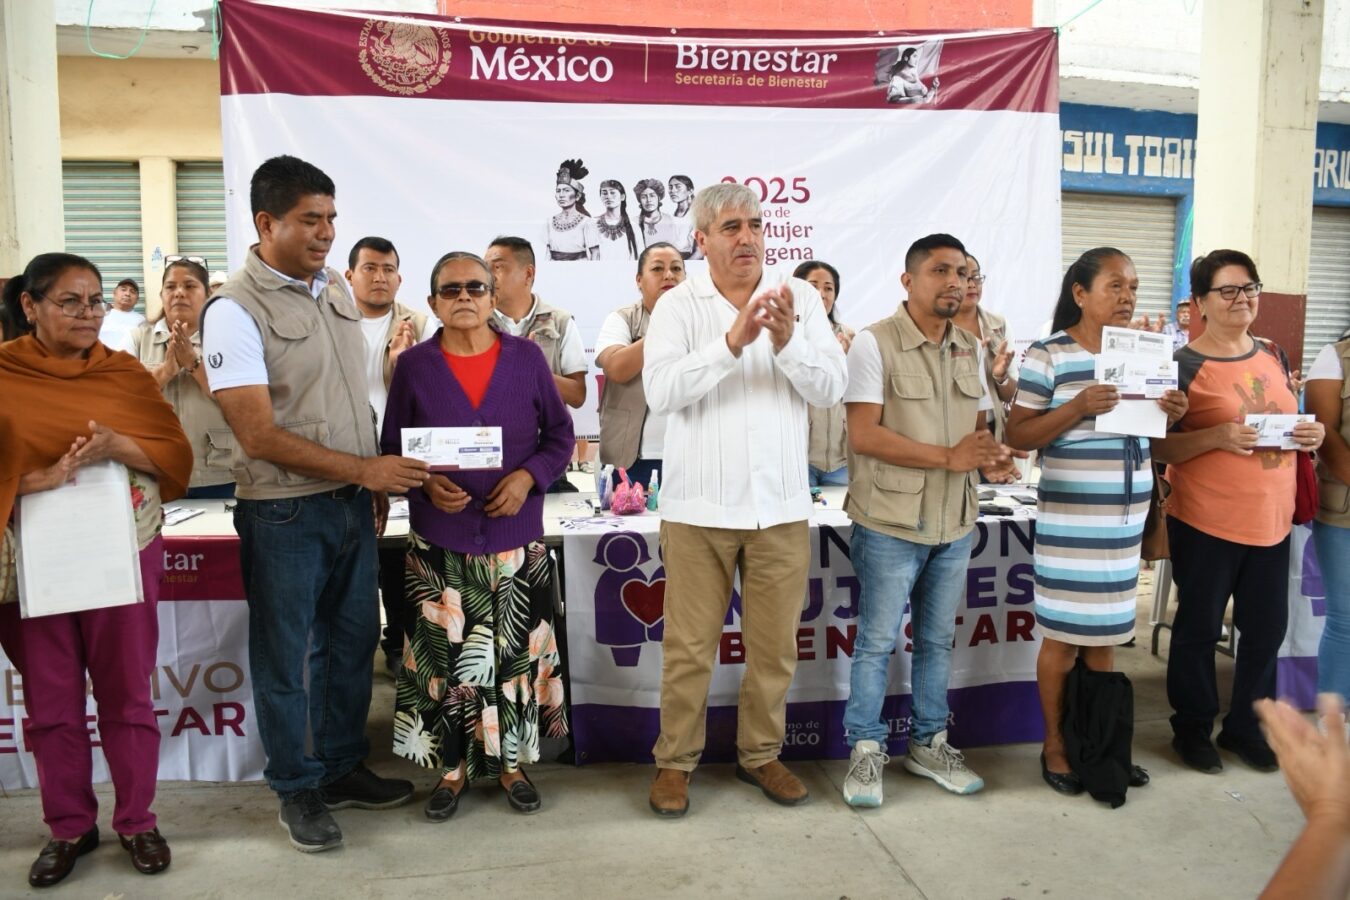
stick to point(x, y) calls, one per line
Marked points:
point(1229, 514)
point(171, 348)
point(481, 676)
point(83, 404)
point(827, 426)
point(992, 331)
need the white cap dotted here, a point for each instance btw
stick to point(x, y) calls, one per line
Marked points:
point(219, 278)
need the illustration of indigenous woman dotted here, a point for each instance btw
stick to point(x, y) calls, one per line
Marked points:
point(572, 233)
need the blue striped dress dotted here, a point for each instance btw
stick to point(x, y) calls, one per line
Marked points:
point(1093, 499)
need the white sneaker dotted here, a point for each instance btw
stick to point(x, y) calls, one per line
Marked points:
point(944, 764)
point(862, 785)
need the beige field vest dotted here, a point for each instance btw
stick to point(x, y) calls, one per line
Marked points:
point(1334, 494)
point(623, 407)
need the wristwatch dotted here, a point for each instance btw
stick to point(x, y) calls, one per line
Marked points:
point(196, 364)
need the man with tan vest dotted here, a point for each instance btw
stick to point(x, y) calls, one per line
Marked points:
point(520, 312)
point(917, 438)
point(284, 356)
point(732, 359)
point(389, 328)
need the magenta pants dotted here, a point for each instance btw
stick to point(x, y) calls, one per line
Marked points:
point(116, 647)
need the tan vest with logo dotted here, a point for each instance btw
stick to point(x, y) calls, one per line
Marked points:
point(546, 328)
point(1334, 494)
point(827, 428)
point(623, 407)
point(401, 314)
point(316, 372)
point(932, 395)
point(203, 422)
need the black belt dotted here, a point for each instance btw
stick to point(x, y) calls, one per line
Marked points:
point(346, 492)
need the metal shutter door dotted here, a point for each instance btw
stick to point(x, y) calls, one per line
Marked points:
point(1142, 227)
point(103, 219)
point(200, 188)
point(1328, 281)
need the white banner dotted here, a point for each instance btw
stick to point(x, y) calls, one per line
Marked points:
point(442, 135)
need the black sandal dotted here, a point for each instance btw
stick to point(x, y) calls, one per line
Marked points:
point(1067, 783)
point(523, 795)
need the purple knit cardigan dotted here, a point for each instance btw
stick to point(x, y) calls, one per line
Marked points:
point(536, 435)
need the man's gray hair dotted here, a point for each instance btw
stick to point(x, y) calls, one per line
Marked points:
point(714, 199)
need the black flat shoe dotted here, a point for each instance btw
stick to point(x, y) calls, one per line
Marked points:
point(443, 802)
point(1066, 783)
point(57, 859)
point(1138, 776)
point(523, 796)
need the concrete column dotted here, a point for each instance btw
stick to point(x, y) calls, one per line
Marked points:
point(1259, 69)
point(32, 219)
point(159, 223)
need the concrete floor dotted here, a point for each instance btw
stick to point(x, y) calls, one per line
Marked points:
point(1186, 835)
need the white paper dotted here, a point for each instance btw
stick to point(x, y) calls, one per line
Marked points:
point(454, 448)
point(177, 515)
point(1276, 431)
point(398, 507)
point(77, 545)
point(1140, 365)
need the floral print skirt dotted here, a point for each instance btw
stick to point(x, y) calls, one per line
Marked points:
point(481, 675)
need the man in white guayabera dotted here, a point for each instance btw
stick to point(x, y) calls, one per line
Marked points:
point(733, 358)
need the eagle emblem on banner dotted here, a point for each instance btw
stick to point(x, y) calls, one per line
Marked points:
point(404, 58)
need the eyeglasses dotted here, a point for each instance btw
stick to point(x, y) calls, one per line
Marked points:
point(1229, 292)
point(199, 260)
point(450, 290)
point(74, 309)
point(977, 278)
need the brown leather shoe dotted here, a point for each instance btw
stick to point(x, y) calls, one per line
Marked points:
point(149, 851)
point(57, 859)
point(777, 783)
point(670, 793)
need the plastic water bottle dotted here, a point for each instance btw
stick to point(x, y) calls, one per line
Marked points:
point(653, 490)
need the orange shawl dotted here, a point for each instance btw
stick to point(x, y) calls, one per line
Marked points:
point(45, 403)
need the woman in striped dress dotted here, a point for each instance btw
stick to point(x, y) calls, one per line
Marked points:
point(1094, 491)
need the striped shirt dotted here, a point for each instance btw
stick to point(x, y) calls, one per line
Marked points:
point(735, 447)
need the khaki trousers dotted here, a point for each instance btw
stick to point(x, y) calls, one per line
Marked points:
point(700, 566)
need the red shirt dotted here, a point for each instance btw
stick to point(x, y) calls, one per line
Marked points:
point(474, 372)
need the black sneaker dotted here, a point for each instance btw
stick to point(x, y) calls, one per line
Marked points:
point(1255, 752)
point(364, 789)
point(308, 822)
point(1197, 752)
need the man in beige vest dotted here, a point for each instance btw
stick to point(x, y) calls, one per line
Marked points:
point(732, 359)
point(284, 355)
point(917, 437)
point(521, 313)
point(389, 328)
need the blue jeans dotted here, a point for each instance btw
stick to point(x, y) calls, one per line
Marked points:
point(1333, 653)
point(820, 478)
point(309, 575)
point(932, 580)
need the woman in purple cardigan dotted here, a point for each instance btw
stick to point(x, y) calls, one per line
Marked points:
point(481, 675)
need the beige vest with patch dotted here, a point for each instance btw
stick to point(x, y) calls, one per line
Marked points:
point(932, 395)
point(316, 373)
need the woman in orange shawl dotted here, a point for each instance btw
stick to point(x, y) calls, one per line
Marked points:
point(71, 401)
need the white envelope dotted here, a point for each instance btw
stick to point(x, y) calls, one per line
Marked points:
point(1276, 430)
point(454, 449)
